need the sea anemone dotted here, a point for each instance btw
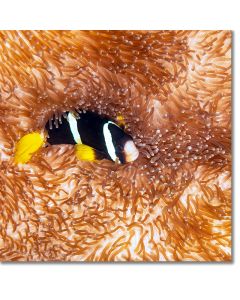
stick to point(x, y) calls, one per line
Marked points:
point(173, 203)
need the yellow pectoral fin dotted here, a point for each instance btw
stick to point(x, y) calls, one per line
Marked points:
point(84, 152)
point(27, 146)
point(121, 121)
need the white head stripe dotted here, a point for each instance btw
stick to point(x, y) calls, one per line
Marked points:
point(74, 129)
point(109, 141)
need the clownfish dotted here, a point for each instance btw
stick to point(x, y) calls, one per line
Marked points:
point(95, 137)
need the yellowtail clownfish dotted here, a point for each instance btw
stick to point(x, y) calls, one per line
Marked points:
point(95, 137)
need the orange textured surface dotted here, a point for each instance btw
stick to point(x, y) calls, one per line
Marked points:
point(173, 89)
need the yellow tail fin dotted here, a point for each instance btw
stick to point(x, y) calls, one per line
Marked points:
point(27, 146)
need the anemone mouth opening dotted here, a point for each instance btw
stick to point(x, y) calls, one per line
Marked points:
point(173, 202)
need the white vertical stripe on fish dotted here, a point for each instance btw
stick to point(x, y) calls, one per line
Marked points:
point(109, 141)
point(74, 128)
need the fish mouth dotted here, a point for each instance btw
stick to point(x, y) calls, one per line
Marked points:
point(131, 152)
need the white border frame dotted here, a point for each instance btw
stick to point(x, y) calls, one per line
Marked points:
point(130, 281)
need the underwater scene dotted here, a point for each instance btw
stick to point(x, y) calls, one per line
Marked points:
point(115, 146)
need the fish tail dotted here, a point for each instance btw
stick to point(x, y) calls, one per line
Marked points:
point(27, 146)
